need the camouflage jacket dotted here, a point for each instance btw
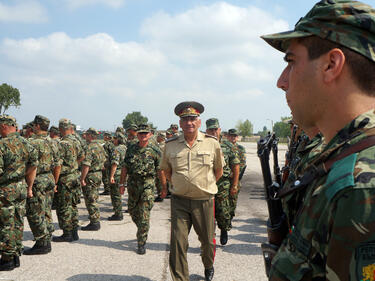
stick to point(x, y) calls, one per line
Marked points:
point(16, 154)
point(48, 153)
point(305, 154)
point(230, 156)
point(242, 156)
point(118, 157)
point(81, 142)
point(70, 152)
point(332, 238)
point(95, 157)
point(108, 148)
point(142, 161)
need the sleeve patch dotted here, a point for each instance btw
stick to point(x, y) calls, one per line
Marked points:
point(365, 262)
point(341, 175)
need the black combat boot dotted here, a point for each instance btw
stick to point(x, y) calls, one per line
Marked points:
point(116, 217)
point(159, 199)
point(75, 234)
point(39, 248)
point(66, 237)
point(223, 237)
point(209, 274)
point(92, 226)
point(8, 263)
point(141, 249)
point(16, 260)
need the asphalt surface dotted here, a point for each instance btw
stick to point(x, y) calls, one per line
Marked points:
point(110, 253)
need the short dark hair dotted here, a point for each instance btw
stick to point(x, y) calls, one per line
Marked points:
point(361, 68)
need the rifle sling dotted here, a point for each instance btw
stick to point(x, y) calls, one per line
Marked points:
point(325, 167)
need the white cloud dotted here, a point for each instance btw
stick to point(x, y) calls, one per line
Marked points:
point(74, 4)
point(23, 12)
point(212, 54)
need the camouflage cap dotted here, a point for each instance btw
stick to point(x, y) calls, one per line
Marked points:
point(8, 120)
point(41, 120)
point(65, 123)
point(212, 123)
point(54, 130)
point(173, 126)
point(28, 125)
point(92, 131)
point(120, 129)
point(169, 132)
point(132, 127)
point(348, 23)
point(144, 128)
point(161, 134)
point(233, 132)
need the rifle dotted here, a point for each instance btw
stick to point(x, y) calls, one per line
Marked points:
point(277, 228)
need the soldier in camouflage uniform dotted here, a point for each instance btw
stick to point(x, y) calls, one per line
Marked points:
point(38, 207)
point(227, 184)
point(91, 177)
point(161, 143)
point(68, 190)
point(131, 132)
point(54, 134)
point(108, 148)
point(142, 165)
point(174, 129)
point(329, 83)
point(18, 159)
point(232, 136)
point(117, 160)
point(28, 130)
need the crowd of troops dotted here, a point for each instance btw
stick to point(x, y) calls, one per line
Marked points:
point(43, 168)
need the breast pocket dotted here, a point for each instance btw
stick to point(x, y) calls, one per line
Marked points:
point(205, 157)
point(178, 161)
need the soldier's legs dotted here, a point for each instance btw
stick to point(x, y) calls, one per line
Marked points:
point(181, 223)
point(233, 202)
point(142, 217)
point(105, 179)
point(66, 210)
point(48, 210)
point(222, 206)
point(116, 199)
point(91, 195)
point(36, 215)
point(203, 219)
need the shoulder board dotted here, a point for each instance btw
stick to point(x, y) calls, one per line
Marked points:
point(171, 139)
point(209, 136)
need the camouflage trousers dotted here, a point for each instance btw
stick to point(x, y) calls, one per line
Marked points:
point(159, 187)
point(91, 195)
point(233, 201)
point(116, 196)
point(222, 204)
point(105, 179)
point(50, 194)
point(37, 207)
point(12, 211)
point(69, 191)
point(140, 203)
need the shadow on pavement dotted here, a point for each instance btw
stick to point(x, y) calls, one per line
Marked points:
point(106, 277)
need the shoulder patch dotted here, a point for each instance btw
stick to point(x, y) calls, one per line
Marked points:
point(365, 261)
point(171, 139)
point(341, 175)
point(209, 136)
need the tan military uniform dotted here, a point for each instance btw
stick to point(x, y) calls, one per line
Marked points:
point(194, 187)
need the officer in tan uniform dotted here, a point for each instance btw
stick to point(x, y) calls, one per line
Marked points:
point(193, 162)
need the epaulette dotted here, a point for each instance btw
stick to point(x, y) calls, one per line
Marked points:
point(209, 136)
point(171, 139)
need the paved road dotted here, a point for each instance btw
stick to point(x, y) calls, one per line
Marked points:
point(110, 254)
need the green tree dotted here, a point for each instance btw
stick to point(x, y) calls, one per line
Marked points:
point(282, 128)
point(134, 118)
point(9, 96)
point(245, 128)
point(263, 133)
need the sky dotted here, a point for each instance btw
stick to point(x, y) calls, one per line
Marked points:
point(95, 61)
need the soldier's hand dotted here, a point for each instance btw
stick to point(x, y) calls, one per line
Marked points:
point(83, 182)
point(122, 189)
point(112, 180)
point(233, 191)
point(55, 188)
point(163, 193)
point(30, 194)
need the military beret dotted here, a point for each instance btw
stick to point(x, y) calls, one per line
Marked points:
point(212, 123)
point(348, 23)
point(54, 130)
point(92, 131)
point(188, 108)
point(41, 120)
point(132, 127)
point(65, 123)
point(144, 128)
point(8, 120)
point(233, 132)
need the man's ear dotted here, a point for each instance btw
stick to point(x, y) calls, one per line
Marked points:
point(333, 64)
